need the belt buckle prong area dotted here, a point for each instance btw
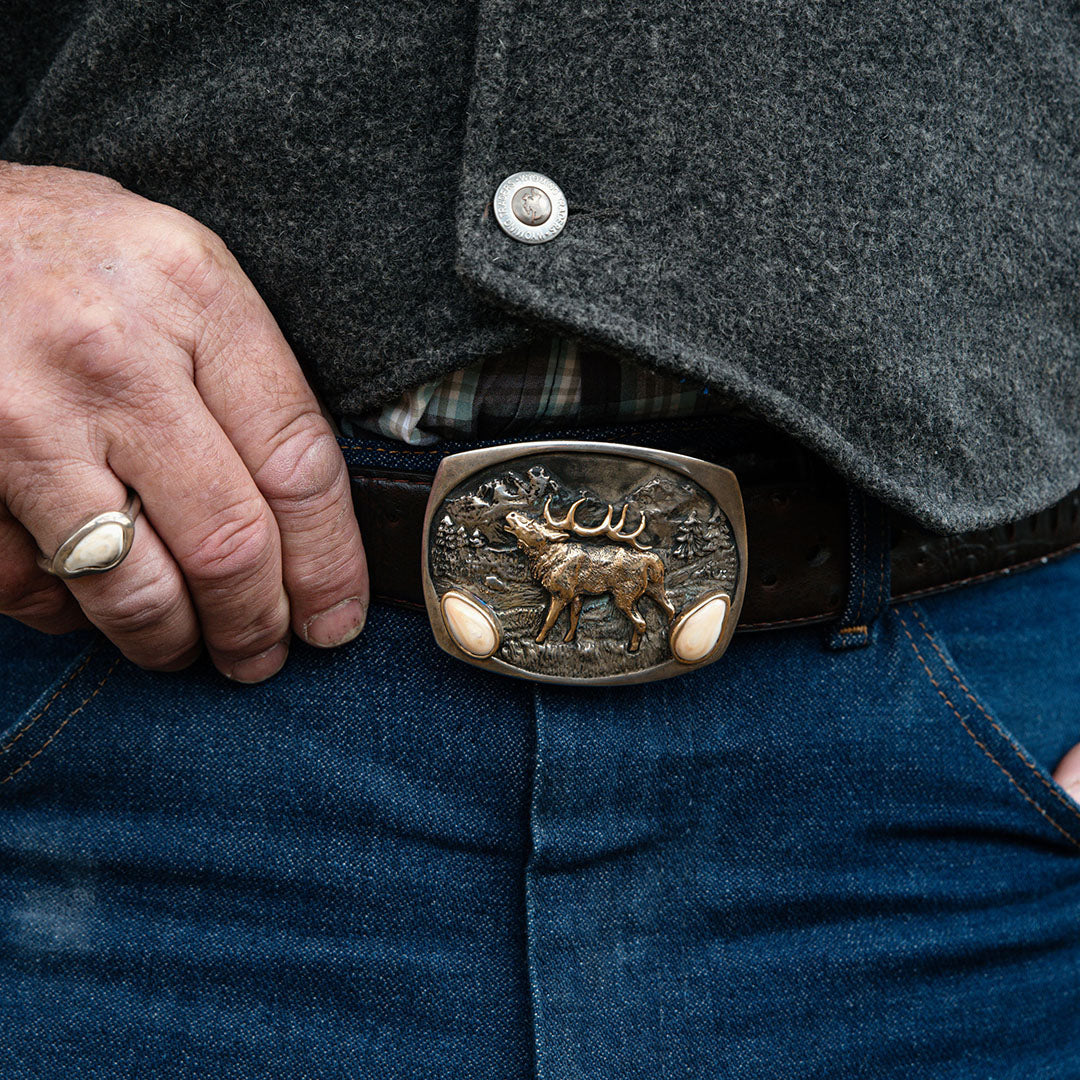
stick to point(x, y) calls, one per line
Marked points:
point(584, 562)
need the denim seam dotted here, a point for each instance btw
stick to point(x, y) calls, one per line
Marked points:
point(858, 613)
point(388, 449)
point(882, 595)
point(982, 746)
point(993, 723)
point(536, 990)
point(358, 478)
point(78, 708)
point(8, 746)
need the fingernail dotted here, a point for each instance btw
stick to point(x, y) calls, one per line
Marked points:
point(256, 668)
point(337, 624)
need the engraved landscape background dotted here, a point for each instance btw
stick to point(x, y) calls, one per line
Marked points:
point(469, 549)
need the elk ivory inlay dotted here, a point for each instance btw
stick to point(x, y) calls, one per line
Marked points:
point(698, 630)
point(470, 624)
point(98, 549)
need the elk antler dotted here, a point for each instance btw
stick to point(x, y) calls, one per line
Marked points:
point(612, 532)
point(567, 522)
point(616, 533)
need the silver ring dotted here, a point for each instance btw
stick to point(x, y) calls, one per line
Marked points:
point(100, 543)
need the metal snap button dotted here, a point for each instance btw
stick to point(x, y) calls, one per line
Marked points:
point(530, 207)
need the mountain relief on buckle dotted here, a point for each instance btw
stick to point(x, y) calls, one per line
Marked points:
point(583, 565)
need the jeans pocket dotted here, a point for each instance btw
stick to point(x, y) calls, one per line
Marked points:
point(49, 684)
point(1001, 663)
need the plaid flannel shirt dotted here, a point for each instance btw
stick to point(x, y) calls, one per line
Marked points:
point(547, 383)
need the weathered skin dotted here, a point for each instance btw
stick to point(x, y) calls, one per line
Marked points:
point(135, 352)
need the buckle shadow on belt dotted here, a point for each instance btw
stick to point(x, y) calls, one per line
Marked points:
point(584, 562)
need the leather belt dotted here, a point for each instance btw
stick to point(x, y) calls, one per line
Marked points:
point(797, 536)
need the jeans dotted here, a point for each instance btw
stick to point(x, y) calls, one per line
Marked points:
point(796, 862)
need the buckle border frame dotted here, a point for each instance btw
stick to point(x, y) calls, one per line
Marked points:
point(720, 482)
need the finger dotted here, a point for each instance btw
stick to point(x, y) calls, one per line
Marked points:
point(205, 506)
point(27, 593)
point(252, 384)
point(1067, 774)
point(142, 604)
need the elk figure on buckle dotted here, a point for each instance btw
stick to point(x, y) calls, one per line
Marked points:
point(570, 571)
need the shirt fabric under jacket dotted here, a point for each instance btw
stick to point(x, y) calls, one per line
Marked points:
point(548, 383)
point(860, 221)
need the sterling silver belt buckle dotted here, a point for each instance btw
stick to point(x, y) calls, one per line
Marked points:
point(584, 562)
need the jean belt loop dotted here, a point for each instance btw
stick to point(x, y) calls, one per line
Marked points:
point(869, 584)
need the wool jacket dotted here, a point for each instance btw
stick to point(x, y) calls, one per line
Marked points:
point(859, 219)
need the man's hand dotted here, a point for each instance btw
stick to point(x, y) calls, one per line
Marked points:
point(134, 351)
point(1067, 773)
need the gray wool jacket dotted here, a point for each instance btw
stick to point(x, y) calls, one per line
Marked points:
point(860, 219)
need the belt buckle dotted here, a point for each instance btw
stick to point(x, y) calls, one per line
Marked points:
point(583, 562)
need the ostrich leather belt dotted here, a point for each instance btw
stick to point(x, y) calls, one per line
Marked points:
point(591, 562)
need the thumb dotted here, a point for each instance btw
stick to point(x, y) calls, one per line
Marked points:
point(1067, 774)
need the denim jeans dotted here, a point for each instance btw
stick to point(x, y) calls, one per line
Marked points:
point(383, 863)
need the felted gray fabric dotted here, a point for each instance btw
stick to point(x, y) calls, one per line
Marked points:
point(862, 220)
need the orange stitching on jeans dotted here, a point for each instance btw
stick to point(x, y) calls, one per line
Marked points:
point(79, 708)
point(956, 712)
point(993, 723)
point(864, 629)
point(6, 748)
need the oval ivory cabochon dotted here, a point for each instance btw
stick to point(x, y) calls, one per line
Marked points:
point(471, 625)
point(97, 549)
point(698, 630)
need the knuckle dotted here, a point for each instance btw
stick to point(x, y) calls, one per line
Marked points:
point(239, 547)
point(146, 610)
point(28, 597)
point(305, 470)
point(328, 574)
point(192, 257)
point(90, 335)
point(254, 637)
